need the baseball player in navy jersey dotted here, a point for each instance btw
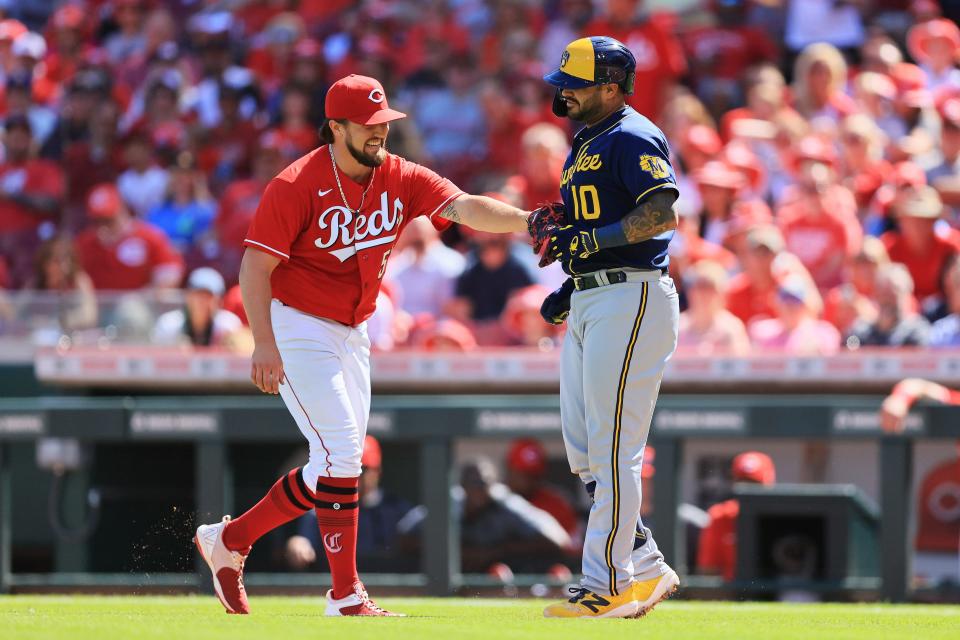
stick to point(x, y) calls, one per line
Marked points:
point(315, 254)
point(618, 190)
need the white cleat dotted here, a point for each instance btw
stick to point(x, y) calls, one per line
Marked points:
point(357, 603)
point(225, 565)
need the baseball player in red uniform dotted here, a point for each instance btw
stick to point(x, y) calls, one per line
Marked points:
point(315, 255)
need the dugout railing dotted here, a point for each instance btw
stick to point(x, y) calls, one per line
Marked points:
point(433, 424)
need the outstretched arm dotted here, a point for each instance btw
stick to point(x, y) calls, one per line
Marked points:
point(906, 392)
point(486, 214)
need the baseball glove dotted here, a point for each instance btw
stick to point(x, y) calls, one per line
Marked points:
point(542, 223)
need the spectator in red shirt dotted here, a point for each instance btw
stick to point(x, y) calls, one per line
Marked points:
point(720, 53)
point(752, 293)
point(863, 168)
point(819, 220)
point(919, 245)
point(90, 162)
point(659, 54)
point(241, 197)
point(544, 149)
point(526, 473)
point(123, 253)
point(717, 551)
point(31, 190)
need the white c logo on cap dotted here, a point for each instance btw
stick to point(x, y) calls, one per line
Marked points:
point(376, 96)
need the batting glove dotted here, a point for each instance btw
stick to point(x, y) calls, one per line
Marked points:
point(556, 306)
point(567, 242)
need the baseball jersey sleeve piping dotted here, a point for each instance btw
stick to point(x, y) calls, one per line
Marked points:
point(442, 204)
point(261, 246)
point(655, 187)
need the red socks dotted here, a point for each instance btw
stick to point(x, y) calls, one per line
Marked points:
point(336, 503)
point(287, 499)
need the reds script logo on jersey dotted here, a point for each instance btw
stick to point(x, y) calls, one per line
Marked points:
point(331, 542)
point(339, 226)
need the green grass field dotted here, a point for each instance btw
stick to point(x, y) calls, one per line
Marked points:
point(183, 618)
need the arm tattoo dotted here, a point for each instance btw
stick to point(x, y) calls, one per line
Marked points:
point(654, 216)
point(450, 212)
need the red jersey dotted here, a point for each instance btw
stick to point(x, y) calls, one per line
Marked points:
point(332, 260)
point(720, 52)
point(927, 267)
point(822, 239)
point(38, 177)
point(659, 55)
point(717, 551)
point(131, 262)
point(748, 303)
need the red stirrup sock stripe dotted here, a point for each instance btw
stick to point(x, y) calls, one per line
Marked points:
point(284, 502)
point(337, 510)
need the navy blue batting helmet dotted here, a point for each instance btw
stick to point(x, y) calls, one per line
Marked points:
point(595, 60)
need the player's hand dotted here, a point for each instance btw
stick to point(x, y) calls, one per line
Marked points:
point(556, 306)
point(567, 242)
point(892, 413)
point(541, 223)
point(300, 553)
point(266, 367)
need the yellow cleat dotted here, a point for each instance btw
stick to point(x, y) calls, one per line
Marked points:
point(650, 593)
point(587, 604)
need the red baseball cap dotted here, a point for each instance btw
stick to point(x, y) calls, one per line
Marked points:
point(104, 201)
point(361, 100)
point(372, 457)
point(527, 456)
point(754, 466)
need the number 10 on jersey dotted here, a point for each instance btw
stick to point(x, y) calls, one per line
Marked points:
point(586, 202)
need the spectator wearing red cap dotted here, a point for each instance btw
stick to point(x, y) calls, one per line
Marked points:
point(717, 550)
point(706, 327)
point(913, 108)
point(659, 53)
point(766, 91)
point(918, 244)
point(526, 476)
point(819, 218)
point(935, 44)
point(386, 523)
point(719, 185)
point(123, 253)
point(946, 175)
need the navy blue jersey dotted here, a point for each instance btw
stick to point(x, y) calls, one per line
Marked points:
point(612, 167)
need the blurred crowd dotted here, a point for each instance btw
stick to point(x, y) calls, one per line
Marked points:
point(816, 142)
